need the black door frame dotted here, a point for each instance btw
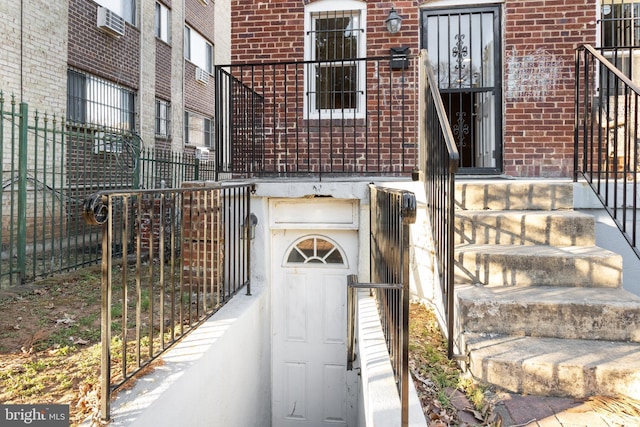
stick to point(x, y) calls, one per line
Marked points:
point(456, 119)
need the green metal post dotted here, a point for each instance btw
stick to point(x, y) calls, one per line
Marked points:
point(196, 170)
point(22, 192)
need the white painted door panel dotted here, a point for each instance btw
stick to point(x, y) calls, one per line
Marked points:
point(311, 385)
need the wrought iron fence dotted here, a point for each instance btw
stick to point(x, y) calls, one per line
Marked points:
point(392, 211)
point(272, 120)
point(441, 161)
point(607, 137)
point(48, 167)
point(172, 258)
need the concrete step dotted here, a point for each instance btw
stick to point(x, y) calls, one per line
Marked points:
point(554, 228)
point(555, 367)
point(545, 311)
point(521, 265)
point(514, 194)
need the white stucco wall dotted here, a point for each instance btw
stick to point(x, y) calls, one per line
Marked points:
point(219, 375)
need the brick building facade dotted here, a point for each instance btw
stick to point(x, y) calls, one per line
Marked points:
point(525, 87)
point(145, 57)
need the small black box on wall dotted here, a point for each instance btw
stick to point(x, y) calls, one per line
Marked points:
point(399, 58)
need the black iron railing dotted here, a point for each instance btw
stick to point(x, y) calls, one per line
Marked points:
point(392, 211)
point(272, 121)
point(170, 259)
point(607, 137)
point(441, 160)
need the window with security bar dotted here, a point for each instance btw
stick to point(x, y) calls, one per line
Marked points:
point(92, 100)
point(335, 39)
point(619, 28)
point(619, 23)
point(163, 118)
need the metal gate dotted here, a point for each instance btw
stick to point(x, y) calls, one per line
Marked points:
point(464, 50)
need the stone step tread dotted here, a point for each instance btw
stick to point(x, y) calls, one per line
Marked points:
point(519, 213)
point(531, 265)
point(617, 297)
point(537, 250)
point(551, 366)
point(560, 312)
point(557, 228)
point(514, 194)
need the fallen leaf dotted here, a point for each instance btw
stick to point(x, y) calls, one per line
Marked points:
point(66, 319)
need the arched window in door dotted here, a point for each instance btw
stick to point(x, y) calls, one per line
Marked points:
point(316, 250)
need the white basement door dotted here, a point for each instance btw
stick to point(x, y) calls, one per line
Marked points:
point(311, 384)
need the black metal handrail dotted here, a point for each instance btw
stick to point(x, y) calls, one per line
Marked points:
point(441, 159)
point(392, 211)
point(607, 137)
point(273, 122)
point(170, 259)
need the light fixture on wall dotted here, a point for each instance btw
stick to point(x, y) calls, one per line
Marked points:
point(393, 21)
point(249, 227)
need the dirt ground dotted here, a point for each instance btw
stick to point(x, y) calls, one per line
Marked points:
point(50, 350)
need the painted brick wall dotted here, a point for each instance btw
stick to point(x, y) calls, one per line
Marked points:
point(540, 38)
point(32, 67)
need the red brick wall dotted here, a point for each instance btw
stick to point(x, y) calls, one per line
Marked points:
point(538, 59)
point(273, 31)
point(202, 239)
point(539, 43)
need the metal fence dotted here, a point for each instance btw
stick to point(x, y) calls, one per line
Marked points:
point(607, 137)
point(272, 120)
point(392, 211)
point(48, 167)
point(441, 161)
point(171, 259)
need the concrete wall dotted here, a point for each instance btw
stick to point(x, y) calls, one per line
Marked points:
point(219, 375)
point(379, 400)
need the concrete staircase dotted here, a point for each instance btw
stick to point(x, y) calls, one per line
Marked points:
point(539, 308)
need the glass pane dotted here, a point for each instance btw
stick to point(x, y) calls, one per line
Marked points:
point(461, 49)
point(337, 87)
point(315, 251)
point(336, 37)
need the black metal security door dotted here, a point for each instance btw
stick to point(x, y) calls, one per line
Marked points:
point(464, 50)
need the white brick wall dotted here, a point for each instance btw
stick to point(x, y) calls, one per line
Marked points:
point(222, 27)
point(35, 71)
point(146, 94)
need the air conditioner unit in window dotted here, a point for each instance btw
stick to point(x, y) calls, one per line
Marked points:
point(202, 154)
point(202, 75)
point(110, 22)
point(104, 142)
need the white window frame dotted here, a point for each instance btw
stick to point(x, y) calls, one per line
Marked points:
point(93, 100)
point(198, 129)
point(163, 23)
point(163, 118)
point(311, 11)
point(123, 8)
point(197, 49)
